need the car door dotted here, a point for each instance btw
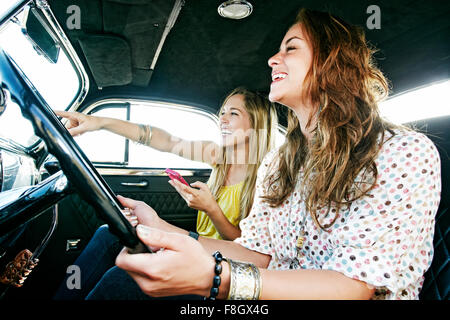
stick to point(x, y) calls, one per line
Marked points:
point(137, 171)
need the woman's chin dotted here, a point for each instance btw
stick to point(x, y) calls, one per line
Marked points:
point(274, 95)
point(227, 142)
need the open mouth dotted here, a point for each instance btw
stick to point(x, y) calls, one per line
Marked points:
point(278, 76)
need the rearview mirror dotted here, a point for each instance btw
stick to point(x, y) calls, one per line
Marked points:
point(40, 35)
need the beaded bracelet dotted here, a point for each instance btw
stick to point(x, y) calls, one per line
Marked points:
point(216, 280)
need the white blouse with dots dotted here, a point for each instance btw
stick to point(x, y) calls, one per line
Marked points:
point(384, 238)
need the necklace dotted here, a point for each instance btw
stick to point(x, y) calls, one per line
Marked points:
point(302, 237)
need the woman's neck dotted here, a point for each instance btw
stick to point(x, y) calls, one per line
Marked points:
point(236, 173)
point(303, 114)
point(237, 160)
point(238, 154)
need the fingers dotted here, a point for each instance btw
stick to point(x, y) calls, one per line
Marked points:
point(153, 238)
point(199, 184)
point(61, 113)
point(158, 238)
point(185, 195)
point(75, 131)
point(127, 202)
point(181, 187)
point(133, 220)
point(68, 115)
point(134, 263)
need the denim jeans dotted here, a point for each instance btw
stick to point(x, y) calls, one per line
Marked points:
point(98, 256)
point(100, 279)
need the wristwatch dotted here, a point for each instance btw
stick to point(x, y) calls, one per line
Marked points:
point(193, 235)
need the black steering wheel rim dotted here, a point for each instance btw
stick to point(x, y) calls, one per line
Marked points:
point(74, 163)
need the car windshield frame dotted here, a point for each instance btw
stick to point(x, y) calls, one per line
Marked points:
point(65, 46)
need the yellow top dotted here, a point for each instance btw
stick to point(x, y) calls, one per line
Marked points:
point(228, 201)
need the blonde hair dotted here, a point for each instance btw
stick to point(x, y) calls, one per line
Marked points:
point(344, 86)
point(264, 121)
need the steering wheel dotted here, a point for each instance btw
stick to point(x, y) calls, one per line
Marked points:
point(75, 165)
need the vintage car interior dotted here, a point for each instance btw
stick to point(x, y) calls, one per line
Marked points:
point(167, 63)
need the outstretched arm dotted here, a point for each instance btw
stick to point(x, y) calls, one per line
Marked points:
point(161, 140)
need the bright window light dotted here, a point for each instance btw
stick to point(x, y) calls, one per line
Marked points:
point(7, 5)
point(423, 103)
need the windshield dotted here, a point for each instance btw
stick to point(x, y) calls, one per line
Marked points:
point(7, 5)
point(57, 81)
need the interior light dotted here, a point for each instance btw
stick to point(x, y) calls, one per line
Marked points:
point(235, 9)
point(423, 103)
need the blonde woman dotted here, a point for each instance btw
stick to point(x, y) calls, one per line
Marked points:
point(344, 209)
point(248, 123)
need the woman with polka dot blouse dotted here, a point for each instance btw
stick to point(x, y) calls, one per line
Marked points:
point(344, 209)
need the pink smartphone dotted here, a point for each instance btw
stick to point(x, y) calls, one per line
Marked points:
point(173, 175)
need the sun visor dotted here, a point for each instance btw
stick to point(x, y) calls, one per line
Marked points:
point(109, 59)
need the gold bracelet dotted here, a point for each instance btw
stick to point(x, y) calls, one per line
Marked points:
point(245, 281)
point(148, 136)
point(145, 134)
point(141, 133)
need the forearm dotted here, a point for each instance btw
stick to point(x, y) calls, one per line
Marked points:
point(123, 128)
point(228, 248)
point(161, 140)
point(303, 285)
point(226, 229)
point(311, 285)
point(233, 250)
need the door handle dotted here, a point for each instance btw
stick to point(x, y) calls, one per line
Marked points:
point(141, 184)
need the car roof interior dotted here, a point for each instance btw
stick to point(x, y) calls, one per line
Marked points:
point(128, 52)
point(205, 56)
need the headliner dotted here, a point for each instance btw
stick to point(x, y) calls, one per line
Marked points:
point(205, 55)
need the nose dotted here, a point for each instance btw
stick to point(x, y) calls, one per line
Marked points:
point(223, 118)
point(274, 60)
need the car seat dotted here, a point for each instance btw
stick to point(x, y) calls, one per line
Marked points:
point(437, 278)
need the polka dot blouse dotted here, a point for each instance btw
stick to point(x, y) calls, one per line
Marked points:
point(384, 239)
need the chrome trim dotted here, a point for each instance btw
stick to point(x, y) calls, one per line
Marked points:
point(41, 247)
point(61, 184)
point(141, 172)
point(224, 5)
point(72, 244)
point(1, 170)
point(44, 7)
point(141, 184)
point(170, 22)
point(152, 103)
point(11, 146)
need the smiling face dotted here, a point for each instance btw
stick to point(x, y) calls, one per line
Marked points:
point(289, 68)
point(234, 121)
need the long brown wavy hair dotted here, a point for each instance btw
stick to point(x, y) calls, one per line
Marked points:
point(345, 87)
